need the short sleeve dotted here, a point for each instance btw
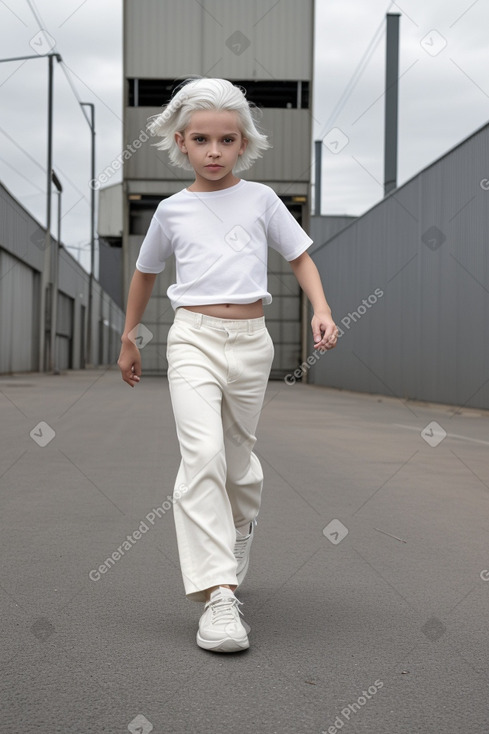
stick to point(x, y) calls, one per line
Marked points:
point(285, 233)
point(155, 250)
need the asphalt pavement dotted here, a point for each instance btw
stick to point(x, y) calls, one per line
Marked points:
point(367, 592)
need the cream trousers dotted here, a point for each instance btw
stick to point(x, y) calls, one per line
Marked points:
point(217, 372)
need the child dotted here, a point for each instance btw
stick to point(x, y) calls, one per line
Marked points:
point(219, 350)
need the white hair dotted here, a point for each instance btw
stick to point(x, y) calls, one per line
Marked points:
point(207, 94)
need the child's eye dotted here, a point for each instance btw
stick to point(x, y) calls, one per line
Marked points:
point(229, 140)
point(199, 138)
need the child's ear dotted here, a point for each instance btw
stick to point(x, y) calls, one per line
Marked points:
point(244, 143)
point(180, 141)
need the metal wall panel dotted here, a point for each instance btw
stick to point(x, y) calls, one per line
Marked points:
point(323, 228)
point(162, 39)
point(64, 332)
point(110, 269)
point(252, 39)
point(231, 39)
point(20, 233)
point(18, 312)
point(110, 211)
point(425, 248)
point(22, 242)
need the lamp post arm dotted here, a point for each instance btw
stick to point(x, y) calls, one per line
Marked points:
point(34, 56)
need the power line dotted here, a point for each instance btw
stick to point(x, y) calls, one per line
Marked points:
point(357, 74)
point(354, 79)
point(36, 163)
point(73, 89)
point(14, 72)
point(36, 15)
point(92, 92)
point(42, 27)
point(4, 132)
point(72, 183)
point(29, 180)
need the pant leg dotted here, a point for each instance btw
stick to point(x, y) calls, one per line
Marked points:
point(241, 408)
point(217, 379)
point(203, 515)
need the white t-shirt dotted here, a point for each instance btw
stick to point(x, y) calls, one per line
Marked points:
point(220, 241)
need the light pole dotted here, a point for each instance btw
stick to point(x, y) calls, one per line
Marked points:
point(53, 360)
point(391, 102)
point(318, 146)
point(47, 249)
point(92, 232)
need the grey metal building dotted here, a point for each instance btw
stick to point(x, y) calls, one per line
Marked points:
point(22, 242)
point(408, 283)
point(109, 228)
point(266, 47)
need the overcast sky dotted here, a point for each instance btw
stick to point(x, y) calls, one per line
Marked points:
point(443, 95)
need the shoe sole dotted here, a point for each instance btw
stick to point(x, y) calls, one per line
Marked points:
point(246, 626)
point(228, 644)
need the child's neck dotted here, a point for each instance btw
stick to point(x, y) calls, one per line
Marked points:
point(203, 185)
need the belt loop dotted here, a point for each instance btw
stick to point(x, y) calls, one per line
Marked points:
point(250, 326)
point(199, 320)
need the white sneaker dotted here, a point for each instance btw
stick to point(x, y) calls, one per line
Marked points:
point(242, 552)
point(220, 626)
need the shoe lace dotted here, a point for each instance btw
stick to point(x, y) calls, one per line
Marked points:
point(226, 608)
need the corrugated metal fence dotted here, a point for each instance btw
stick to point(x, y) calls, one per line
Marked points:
point(21, 262)
point(408, 283)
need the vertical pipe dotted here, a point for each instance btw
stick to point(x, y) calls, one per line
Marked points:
point(305, 318)
point(89, 350)
point(54, 292)
point(318, 144)
point(92, 197)
point(92, 240)
point(391, 102)
point(46, 275)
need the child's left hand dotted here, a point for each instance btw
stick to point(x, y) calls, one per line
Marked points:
point(324, 331)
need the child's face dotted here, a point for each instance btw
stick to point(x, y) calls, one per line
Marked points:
point(213, 143)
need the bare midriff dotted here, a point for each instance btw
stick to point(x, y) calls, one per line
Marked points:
point(230, 310)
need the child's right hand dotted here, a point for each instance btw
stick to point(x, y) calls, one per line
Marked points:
point(130, 363)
